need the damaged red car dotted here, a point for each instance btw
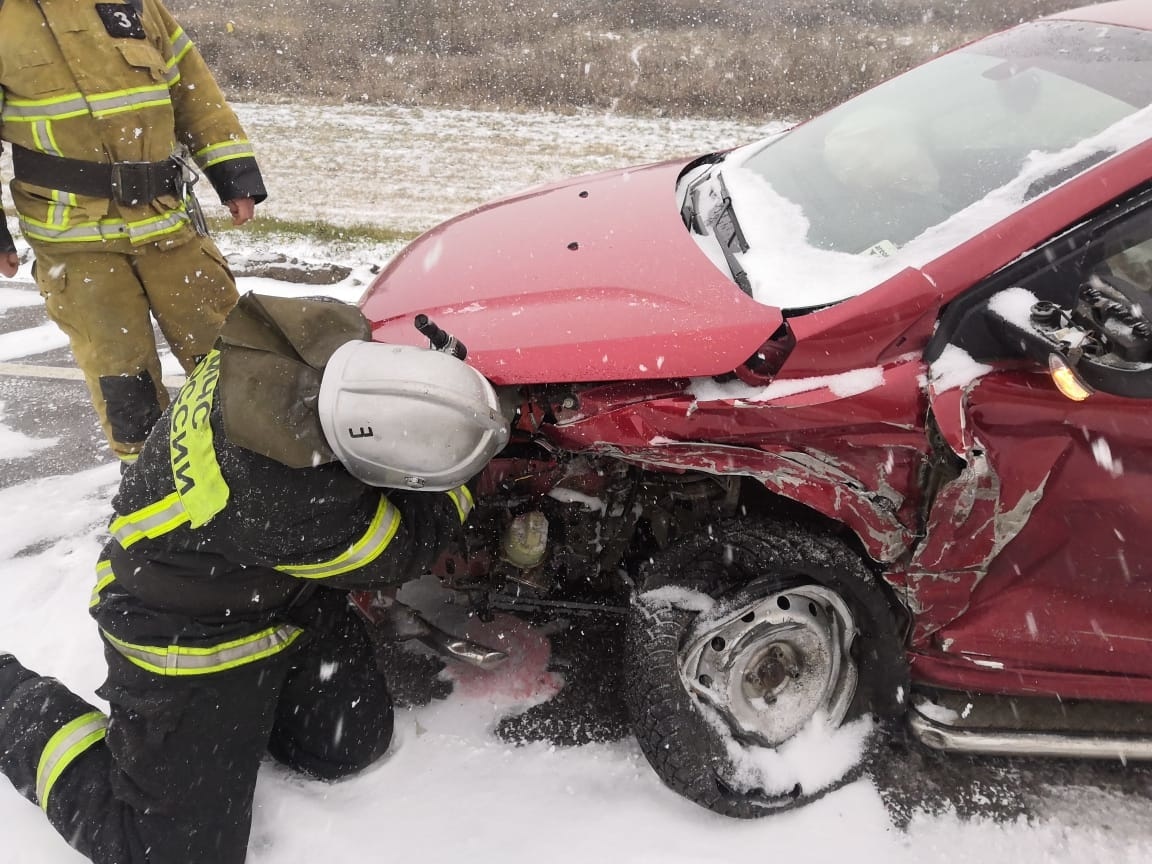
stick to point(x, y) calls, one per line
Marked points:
point(856, 420)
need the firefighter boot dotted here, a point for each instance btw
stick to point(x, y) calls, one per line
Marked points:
point(12, 675)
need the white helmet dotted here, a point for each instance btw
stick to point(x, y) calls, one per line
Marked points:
point(408, 418)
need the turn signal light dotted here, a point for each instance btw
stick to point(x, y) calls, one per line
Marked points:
point(1066, 379)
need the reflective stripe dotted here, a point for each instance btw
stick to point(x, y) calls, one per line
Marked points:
point(119, 101)
point(180, 43)
point(113, 229)
point(201, 491)
point(367, 549)
point(217, 153)
point(148, 229)
point(181, 660)
point(165, 515)
point(55, 108)
point(462, 497)
point(192, 455)
point(58, 209)
point(104, 578)
point(75, 105)
point(42, 135)
point(84, 232)
point(63, 748)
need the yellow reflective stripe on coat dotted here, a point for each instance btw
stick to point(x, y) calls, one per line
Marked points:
point(462, 497)
point(54, 108)
point(63, 748)
point(199, 483)
point(152, 521)
point(104, 578)
point(180, 43)
point(367, 549)
point(201, 491)
point(108, 229)
point(98, 105)
point(224, 151)
point(118, 101)
point(171, 660)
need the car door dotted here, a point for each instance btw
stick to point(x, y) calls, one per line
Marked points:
point(1036, 561)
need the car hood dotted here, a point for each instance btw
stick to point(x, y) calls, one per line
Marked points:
point(591, 279)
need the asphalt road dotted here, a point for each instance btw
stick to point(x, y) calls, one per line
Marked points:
point(43, 397)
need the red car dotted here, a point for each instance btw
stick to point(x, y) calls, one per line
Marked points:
point(856, 418)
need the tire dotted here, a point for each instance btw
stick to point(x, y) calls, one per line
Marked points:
point(752, 569)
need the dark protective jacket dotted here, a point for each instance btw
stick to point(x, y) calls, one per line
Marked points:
point(222, 644)
point(110, 82)
point(214, 543)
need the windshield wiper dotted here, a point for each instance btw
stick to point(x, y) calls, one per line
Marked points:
point(726, 230)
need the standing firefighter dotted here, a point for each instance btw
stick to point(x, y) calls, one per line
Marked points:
point(222, 596)
point(97, 101)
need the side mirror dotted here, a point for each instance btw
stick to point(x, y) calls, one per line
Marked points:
point(1084, 349)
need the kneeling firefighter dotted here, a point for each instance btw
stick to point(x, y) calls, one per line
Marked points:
point(223, 596)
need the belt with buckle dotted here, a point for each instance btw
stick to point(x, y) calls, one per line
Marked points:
point(123, 182)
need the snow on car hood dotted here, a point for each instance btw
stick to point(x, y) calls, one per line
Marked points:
point(590, 279)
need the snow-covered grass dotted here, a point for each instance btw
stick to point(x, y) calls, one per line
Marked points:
point(410, 168)
point(450, 790)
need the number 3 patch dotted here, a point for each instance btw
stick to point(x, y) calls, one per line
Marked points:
point(121, 20)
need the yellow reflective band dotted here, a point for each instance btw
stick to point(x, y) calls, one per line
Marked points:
point(53, 108)
point(156, 519)
point(180, 43)
point(43, 138)
point(171, 660)
point(111, 229)
point(135, 98)
point(63, 748)
point(104, 578)
point(462, 498)
point(156, 226)
point(82, 232)
point(58, 209)
point(199, 483)
point(217, 153)
point(364, 551)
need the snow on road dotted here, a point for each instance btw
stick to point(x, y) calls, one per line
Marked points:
point(450, 790)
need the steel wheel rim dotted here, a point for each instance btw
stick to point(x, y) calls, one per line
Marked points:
point(770, 665)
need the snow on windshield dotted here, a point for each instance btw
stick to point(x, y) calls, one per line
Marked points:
point(907, 171)
point(786, 271)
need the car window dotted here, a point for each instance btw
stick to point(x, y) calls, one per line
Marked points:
point(884, 167)
point(1133, 263)
point(904, 172)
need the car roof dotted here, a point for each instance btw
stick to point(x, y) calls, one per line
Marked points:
point(1122, 13)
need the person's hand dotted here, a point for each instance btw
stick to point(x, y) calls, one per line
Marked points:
point(242, 209)
point(9, 264)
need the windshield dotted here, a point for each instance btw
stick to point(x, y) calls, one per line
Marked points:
point(858, 193)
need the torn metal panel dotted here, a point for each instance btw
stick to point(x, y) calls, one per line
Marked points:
point(795, 475)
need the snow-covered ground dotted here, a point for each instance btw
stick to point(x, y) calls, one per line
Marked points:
point(450, 790)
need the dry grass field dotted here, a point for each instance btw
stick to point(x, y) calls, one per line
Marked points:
point(752, 59)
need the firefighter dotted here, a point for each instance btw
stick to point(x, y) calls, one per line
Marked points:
point(222, 595)
point(105, 107)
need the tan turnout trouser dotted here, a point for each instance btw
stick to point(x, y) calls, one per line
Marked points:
point(104, 298)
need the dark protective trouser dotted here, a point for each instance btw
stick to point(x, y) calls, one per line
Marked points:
point(103, 297)
point(172, 782)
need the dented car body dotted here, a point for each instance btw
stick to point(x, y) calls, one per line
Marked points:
point(894, 364)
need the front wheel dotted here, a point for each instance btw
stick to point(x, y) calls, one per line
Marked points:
point(755, 650)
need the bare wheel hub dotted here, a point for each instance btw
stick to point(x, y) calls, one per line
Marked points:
point(769, 666)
